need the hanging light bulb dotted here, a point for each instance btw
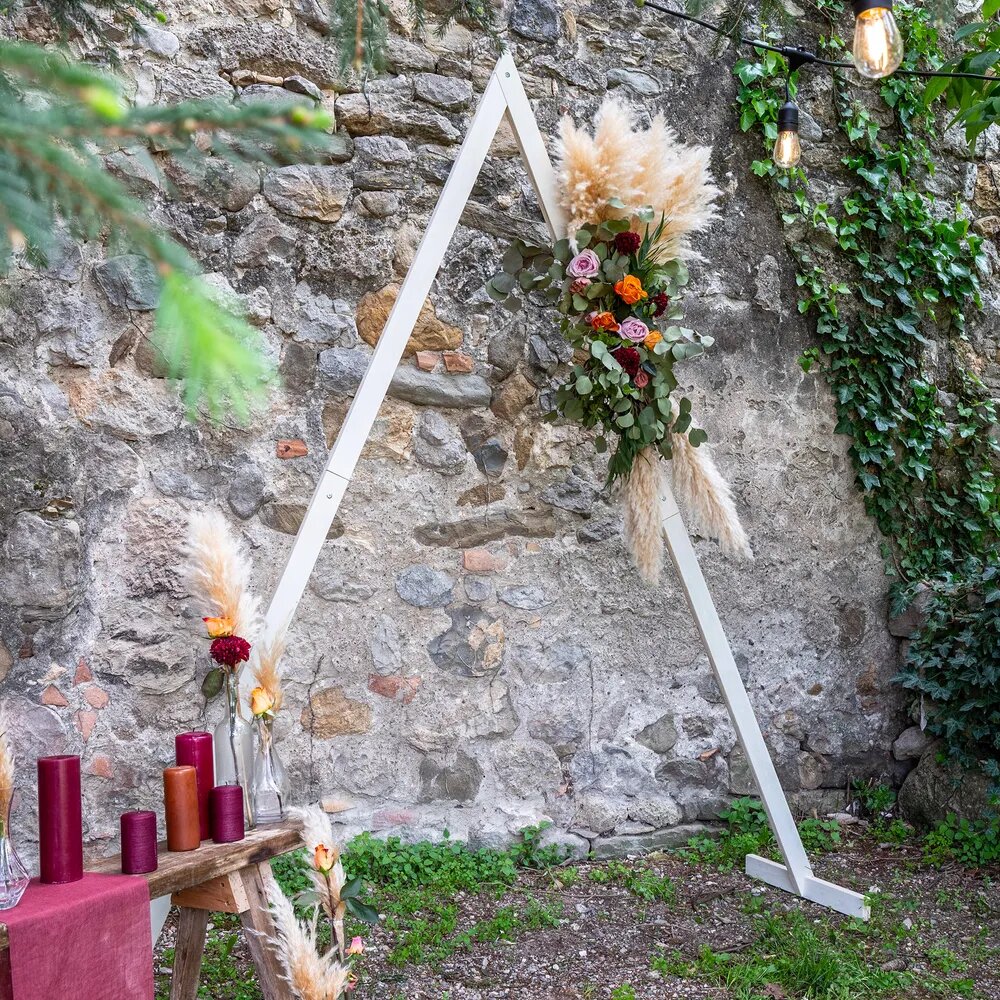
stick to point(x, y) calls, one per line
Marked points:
point(787, 150)
point(878, 45)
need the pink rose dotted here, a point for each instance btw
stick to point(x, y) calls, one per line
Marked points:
point(633, 329)
point(641, 380)
point(579, 286)
point(585, 264)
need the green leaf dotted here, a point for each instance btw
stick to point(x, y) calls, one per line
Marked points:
point(512, 261)
point(214, 682)
point(504, 283)
point(697, 437)
point(584, 386)
point(365, 913)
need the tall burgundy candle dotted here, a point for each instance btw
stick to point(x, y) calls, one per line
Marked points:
point(138, 842)
point(60, 819)
point(195, 750)
point(227, 814)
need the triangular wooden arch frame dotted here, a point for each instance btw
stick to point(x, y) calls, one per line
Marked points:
point(504, 95)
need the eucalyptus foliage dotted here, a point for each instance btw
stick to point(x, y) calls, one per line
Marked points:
point(883, 271)
point(632, 408)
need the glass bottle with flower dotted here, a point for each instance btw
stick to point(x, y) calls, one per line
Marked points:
point(270, 783)
point(14, 876)
point(233, 735)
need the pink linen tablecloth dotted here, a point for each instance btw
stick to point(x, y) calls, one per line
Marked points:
point(89, 940)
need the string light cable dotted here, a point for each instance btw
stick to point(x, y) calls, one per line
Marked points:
point(877, 53)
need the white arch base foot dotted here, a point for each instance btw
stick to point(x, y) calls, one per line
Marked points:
point(816, 890)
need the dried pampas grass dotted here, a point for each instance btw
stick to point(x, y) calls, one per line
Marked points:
point(643, 529)
point(312, 976)
point(218, 574)
point(6, 772)
point(317, 832)
point(707, 497)
point(704, 493)
point(639, 167)
point(266, 658)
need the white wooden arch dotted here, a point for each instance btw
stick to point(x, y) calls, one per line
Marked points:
point(504, 95)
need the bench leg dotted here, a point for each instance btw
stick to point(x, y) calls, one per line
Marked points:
point(190, 947)
point(258, 929)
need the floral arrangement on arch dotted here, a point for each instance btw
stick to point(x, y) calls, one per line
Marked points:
point(634, 198)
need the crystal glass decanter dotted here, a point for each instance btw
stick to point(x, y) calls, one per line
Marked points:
point(270, 783)
point(14, 876)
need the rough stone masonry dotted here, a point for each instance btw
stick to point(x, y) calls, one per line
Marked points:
point(474, 651)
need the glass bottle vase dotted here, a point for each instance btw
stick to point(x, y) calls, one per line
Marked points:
point(234, 747)
point(270, 782)
point(14, 876)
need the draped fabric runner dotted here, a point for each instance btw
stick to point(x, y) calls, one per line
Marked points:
point(90, 939)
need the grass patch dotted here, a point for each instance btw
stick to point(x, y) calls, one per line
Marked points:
point(793, 956)
point(641, 882)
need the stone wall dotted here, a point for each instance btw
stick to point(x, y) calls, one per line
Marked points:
point(474, 651)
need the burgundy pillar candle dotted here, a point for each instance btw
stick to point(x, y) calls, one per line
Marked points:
point(138, 842)
point(60, 819)
point(227, 814)
point(196, 750)
point(180, 797)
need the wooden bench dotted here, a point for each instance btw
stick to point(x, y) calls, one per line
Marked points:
point(219, 878)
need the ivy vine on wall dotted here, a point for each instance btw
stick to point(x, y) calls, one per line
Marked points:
point(889, 273)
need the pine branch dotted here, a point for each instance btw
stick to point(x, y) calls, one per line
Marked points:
point(51, 172)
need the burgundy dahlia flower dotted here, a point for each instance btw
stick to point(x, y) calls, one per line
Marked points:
point(230, 650)
point(660, 300)
point(627, 242)
point(628, 358)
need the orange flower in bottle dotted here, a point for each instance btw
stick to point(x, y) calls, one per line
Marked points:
point(630, 289)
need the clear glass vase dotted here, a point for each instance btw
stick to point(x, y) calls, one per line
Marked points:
point(234, 747)
point(270, 783)
point(14, 876)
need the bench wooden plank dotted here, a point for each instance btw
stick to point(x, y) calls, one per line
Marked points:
point(184, 870)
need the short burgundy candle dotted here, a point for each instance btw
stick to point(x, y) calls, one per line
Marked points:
point(227, 814)
point(138, 842)
point(195, 750)
point(60, 819)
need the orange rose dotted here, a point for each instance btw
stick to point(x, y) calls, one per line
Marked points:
point(653, 338)
point(261, 702)
point(218, 627)
point(630, 289)
point(324, 859)
point(604, 321)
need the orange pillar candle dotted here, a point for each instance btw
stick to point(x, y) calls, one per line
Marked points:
point(180, 796)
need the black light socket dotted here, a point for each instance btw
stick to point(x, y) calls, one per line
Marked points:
point(788, 117)
point(860, 6)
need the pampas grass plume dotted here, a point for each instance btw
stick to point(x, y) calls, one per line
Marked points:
point(641, 502)
point(707, 497)
point(312, 976)
point(640, 167)
point(6, 771)
point(218, 573)
point(266, 674)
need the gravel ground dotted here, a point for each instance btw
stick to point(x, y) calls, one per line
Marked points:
point(938, 924)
